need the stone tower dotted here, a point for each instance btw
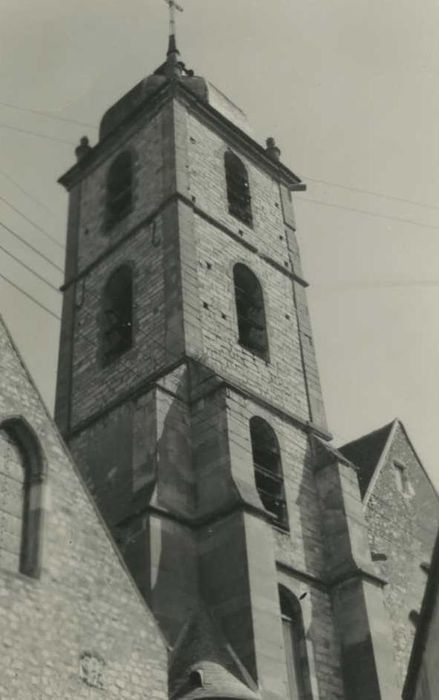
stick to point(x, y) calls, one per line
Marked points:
point(189, 396)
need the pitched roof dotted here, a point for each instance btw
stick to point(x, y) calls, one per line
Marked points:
point(204, 666)
point(365, 453)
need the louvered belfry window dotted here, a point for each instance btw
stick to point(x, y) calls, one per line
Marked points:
point(119, 188)
point(268, 470)
point(250, 311)
point(238, 188)
point(118, 314)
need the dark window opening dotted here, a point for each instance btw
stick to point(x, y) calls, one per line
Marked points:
point(238, 188)
point(250, 311)
point(118, 314)
point(268, 471)
point(21, 485)
point(119, 188)
point(295, 646)
point(401, 478)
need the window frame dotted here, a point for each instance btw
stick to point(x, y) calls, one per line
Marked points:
point(112, 353)
point(34, 466)
point(291, 615)
point(279, 515)
point(238, 190)
point(247, 325)
point(402, 480)
point(114, 213)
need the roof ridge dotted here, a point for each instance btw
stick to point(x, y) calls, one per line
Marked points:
point(387, 426)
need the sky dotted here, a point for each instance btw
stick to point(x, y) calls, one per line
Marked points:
point(350, 92)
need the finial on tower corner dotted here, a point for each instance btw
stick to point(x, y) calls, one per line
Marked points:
point(272, 149)
point(83, 149)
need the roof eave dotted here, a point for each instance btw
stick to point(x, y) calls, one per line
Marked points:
point(178, 89)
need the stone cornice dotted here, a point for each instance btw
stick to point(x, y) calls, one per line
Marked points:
point(150, 107)
point(199, 212)
point(222, 382)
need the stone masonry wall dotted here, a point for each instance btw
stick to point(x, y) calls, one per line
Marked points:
point(94, 384)
point(151, 250)
point(281, 379)
point(207, 184)
point(83, 616)
point(403, 527)
point(148, 140)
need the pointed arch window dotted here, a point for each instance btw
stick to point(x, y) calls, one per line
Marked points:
point(119, 188)
point(238, 188)
point(250, 311)
point(117, 335)
point(268, 470)
point(21, 483)
point(295, 646)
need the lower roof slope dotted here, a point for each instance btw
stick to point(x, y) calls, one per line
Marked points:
point(365, 453)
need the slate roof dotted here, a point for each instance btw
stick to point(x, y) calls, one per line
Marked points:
point(365, 453)
point(204, 666)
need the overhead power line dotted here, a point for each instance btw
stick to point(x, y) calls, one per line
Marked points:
point(27, 193)
point(35, 133)
point(374, 286)
point(49, 115)
point(37, 226)
point(29, 269)
point(374, 215)
point(31, 247)
point(372, 193)
point(29, 296)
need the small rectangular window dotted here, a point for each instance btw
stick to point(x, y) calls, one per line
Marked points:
point(401, 477)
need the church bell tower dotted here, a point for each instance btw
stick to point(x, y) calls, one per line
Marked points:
point(189, 396)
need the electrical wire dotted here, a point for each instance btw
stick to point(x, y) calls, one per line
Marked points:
point(350, 188)
point(30, 296)
point(36, 226)
point(31, 247)
point(374, 215)
point(132, 372)
point(49, 115)
point(30, 269)
point(372, 193)
point(28, 194)
point(35, 133)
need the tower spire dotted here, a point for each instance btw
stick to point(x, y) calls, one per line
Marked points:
point(173, 51)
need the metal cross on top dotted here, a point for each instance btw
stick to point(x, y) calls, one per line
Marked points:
point(172, 7)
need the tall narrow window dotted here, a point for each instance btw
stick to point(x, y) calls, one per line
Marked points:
point(238, 188)
point(118, 314)
point(401, 478)
point(295, 647)
point(250, 311)
point(268, 470)
point(21, 478)
point(119, 188)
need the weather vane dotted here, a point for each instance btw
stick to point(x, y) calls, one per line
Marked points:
point(173, 6)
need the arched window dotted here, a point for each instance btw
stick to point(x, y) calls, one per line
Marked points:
point(21, 482)
point(268, 470)
point(118, 314)
point(238, 188)
point(250, 311)
point(295, 646)
point(119, 188)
